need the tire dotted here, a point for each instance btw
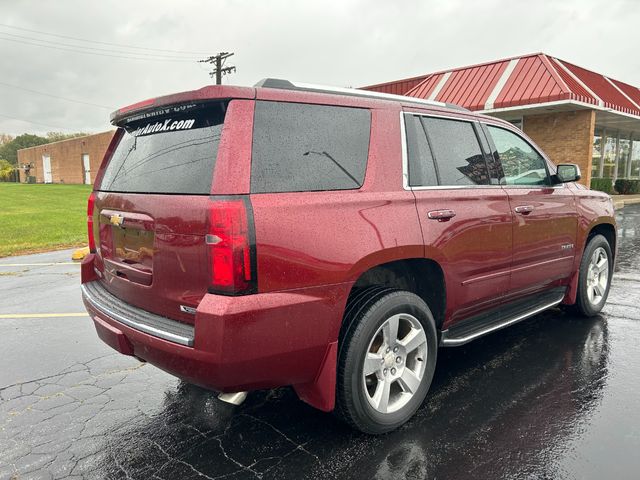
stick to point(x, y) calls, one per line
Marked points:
point(403, 374)
point(594, 285)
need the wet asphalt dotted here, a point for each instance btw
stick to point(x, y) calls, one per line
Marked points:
point(552, 397)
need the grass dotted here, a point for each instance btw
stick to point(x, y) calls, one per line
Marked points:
point(36, 218)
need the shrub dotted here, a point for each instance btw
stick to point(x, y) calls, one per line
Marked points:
point(627, 187)
point(6, 169)
point(602, 184)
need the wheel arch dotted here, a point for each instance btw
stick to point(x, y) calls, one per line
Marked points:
point(422, 276)
point(607, 230)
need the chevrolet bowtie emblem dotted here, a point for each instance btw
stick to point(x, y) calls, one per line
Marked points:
point(116, 220)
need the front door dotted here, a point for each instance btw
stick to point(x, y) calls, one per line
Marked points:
point(86, 166)
point(466, 221)
point(46, 169)
point(544, 216)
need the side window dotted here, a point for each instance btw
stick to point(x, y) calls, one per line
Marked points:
point(459, 160)
point(301, 147)
point(522, 165)
point(422, 171)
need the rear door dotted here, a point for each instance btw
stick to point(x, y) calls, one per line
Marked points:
point(544, 215)
point(151, 208)
point(466, 221)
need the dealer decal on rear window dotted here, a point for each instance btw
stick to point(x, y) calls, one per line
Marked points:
point(165, 126)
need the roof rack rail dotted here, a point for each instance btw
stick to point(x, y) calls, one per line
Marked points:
point(308, 87)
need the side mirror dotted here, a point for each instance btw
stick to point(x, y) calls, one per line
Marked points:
point(568, 172)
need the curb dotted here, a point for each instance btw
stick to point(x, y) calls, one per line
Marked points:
point(618, 204)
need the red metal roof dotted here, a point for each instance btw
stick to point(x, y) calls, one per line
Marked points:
point(572, 84)
point(531, 78)
point(603, 88)
point(631, 92)
point(519, 81)
point(399, 87)
point(471, 86)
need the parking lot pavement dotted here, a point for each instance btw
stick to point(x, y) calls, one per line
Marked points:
point(552, 397)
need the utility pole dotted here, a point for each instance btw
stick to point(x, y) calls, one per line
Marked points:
point(219, 69)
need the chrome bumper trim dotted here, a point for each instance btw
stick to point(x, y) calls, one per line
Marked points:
point(103, 301)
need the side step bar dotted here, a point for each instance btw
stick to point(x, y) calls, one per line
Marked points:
point(497, 319)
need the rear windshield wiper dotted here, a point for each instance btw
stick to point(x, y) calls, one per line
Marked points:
point(325, 154)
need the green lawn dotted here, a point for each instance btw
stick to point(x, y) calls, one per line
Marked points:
point(42, 217)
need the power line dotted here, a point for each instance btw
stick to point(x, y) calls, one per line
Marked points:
point(100, 43)
point(34, 123)
point(58, 97)
point(97, 49)
point(95, 53)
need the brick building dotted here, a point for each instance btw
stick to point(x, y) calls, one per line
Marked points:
point(68, 161)
point(575, 115)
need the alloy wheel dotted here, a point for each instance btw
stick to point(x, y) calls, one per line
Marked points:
point(394, 363)
point(597, 276)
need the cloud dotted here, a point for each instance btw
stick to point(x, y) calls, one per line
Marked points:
point(343, 43)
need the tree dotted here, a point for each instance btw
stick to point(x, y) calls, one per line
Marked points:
point(6, 169)
point(9, 151)
point(5, 138)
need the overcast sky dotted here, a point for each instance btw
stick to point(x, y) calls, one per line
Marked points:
point(343, 43)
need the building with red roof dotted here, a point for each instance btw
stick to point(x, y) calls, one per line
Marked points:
point(575, 115)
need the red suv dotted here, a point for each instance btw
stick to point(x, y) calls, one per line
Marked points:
point(331, 240)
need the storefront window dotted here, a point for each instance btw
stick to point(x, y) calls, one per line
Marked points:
point(623, 157)
point(635, 160)
point(596, 156)
point(609, 160)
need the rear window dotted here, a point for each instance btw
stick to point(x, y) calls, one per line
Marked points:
point(169, 151)
point(458, 156)
point(422, 171)
point(301, 147)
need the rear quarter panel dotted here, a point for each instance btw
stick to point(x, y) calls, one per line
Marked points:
point(306, 239)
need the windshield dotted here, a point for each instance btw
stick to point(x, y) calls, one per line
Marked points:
point(169, 151)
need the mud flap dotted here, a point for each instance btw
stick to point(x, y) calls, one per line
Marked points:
point(321, 393)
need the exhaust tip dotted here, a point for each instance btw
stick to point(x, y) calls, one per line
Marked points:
point(236, 398)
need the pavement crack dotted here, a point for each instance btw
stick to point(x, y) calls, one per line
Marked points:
point(298, 446)
point(171, 458)
point(36, 380)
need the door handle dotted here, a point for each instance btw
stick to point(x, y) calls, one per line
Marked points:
point(441, 215)
point(524, 209)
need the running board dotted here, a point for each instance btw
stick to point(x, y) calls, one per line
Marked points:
point(499, 318)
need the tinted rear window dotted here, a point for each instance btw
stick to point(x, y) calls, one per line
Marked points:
point(173, 151)
point(301, 147)
point(458, 156)
point(422, 171)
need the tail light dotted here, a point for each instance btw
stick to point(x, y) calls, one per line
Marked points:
point(90, 233)
point(231, 246)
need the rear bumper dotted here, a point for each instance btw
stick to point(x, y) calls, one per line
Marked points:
point(109, 305)
point(238, 343)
